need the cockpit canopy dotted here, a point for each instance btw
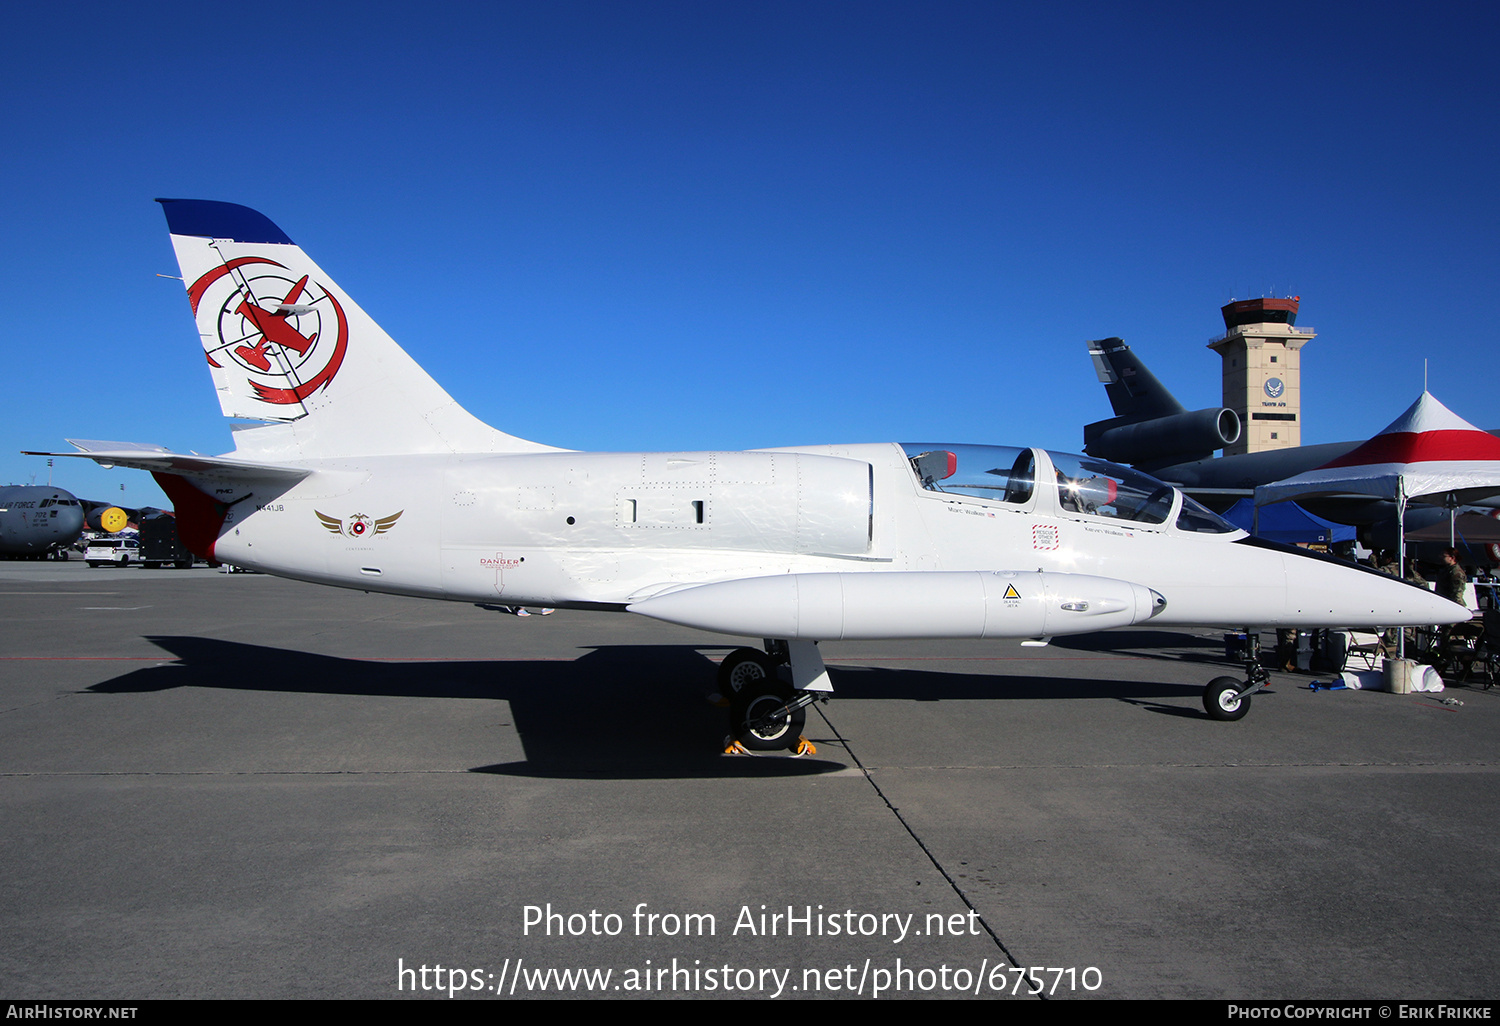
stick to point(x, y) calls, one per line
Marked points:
point(998, 472)
point(1073, 484)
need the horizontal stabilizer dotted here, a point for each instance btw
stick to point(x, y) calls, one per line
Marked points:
point(157, 459)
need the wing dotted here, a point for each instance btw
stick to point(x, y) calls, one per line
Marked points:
point(332, 523)
point(384, 524)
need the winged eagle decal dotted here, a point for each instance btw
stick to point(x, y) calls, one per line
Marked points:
point(359, 525)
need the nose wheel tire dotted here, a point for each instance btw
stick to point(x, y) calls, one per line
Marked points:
point(753, 703)
point(1222, 701)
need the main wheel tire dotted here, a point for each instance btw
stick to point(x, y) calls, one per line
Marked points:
point(744, 666)
point(1221, 701)
point(754, 702)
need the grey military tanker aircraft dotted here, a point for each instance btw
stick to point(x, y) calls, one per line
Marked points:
point(1152, 431)
point(362, 472)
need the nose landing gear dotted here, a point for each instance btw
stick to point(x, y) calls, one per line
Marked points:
point(1226, 698)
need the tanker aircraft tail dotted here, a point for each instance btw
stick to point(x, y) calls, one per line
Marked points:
point(1150, 428)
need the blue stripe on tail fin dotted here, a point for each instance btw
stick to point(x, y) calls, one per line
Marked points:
point(214, 219)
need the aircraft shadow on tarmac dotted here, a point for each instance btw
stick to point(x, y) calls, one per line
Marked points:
point(1188, 648)
point(622, 711)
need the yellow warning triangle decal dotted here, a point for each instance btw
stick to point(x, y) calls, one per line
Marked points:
point(1010, 592)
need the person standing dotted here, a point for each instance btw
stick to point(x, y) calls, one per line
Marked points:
point(1452, 580)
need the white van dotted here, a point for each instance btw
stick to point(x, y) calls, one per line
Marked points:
point(119, 551)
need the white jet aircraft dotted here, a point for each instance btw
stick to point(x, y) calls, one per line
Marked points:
point(361, 472)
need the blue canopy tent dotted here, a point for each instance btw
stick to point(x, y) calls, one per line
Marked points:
point(1287, 522)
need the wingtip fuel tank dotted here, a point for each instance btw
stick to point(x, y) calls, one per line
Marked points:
point(918, 604)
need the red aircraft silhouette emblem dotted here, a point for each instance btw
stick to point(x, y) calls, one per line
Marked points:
point(274, 327)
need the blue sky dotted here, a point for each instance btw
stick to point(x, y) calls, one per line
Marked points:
point(710, 225)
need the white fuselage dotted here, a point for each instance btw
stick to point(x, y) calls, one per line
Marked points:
point(353, 467)
point(615, 529)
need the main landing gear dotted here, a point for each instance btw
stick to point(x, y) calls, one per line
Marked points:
point(1226, 698)
point(768, 694)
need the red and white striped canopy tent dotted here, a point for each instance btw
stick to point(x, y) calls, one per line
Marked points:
point(1429, 451)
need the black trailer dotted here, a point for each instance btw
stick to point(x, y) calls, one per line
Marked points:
point(160, 545)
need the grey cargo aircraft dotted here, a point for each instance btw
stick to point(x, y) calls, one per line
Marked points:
point(38, 520)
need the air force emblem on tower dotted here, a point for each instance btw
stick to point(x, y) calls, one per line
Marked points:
point(284, 332)
point(1274, 387)
point(358, 525)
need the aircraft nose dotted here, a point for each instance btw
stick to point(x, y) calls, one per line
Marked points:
point(1353, 596)
point(69, 523)
point(1446, 612)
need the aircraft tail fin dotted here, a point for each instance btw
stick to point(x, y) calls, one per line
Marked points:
point(288, 347)
point(1133, 390)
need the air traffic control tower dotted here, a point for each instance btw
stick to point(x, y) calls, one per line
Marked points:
point(1262, 352)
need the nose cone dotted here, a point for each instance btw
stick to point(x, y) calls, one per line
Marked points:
point(1158, 603)
point(1147, 602)
point(69, 524)
point(1250, 581)
point(1323, 592)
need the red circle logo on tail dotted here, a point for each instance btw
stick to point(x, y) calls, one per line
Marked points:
point(286, 333)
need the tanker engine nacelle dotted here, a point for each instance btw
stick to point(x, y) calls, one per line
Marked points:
point(1172, 439)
